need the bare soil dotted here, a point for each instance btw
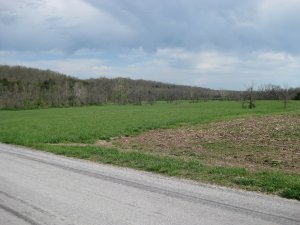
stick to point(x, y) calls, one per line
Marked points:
point(267, 142)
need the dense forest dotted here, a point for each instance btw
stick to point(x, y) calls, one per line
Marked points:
point(27, 88)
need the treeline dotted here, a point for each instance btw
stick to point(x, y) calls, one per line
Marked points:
point(276, 92)
point(27, 88)
point(22, 87)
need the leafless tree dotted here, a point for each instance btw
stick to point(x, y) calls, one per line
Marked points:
point(248, 100)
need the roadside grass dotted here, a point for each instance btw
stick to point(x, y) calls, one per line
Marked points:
point(41, 129)
point(286, 185)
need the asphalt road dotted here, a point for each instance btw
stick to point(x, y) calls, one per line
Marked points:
point(41, 188)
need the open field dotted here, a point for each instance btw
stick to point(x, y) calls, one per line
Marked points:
point(215, 142)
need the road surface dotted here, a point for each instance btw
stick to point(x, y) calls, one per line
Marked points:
point(38, 188)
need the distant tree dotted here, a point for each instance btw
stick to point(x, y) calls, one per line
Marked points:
point(121, 91)
point(150, 98)
point(249, 98)
point(136, 95)
point(269, 92)
point(285, 96)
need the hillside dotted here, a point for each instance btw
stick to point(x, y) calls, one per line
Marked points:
point(22, 87)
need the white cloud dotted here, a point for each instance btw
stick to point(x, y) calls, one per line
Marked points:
point(274, 56)
point(216, 61)
point(174, 53)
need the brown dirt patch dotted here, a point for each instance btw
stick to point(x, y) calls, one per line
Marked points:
point(268, 142)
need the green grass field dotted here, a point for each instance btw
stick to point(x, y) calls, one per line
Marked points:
point(91, 123)
point(42, 128)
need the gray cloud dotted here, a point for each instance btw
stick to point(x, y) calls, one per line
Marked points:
point(215, 43)
point(67, 26)
point(191, 24)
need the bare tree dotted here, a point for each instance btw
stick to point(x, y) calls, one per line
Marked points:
point(249, 98)
point(285, 95)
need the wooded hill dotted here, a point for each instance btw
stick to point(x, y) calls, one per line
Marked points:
point(22, 87)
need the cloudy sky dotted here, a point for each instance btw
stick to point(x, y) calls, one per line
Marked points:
point(227, 44)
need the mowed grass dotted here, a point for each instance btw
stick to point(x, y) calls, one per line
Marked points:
point(42, 128)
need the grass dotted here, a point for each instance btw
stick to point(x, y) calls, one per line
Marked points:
point(283, 184)
point(41, 128)
point(91, 123)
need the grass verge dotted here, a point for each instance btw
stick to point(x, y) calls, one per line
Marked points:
point(286, 185)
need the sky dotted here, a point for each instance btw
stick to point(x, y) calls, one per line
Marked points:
point(219, 44)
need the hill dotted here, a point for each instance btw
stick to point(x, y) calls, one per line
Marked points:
point(22, 87)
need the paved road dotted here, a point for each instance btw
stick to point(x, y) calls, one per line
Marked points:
point(40, 188)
